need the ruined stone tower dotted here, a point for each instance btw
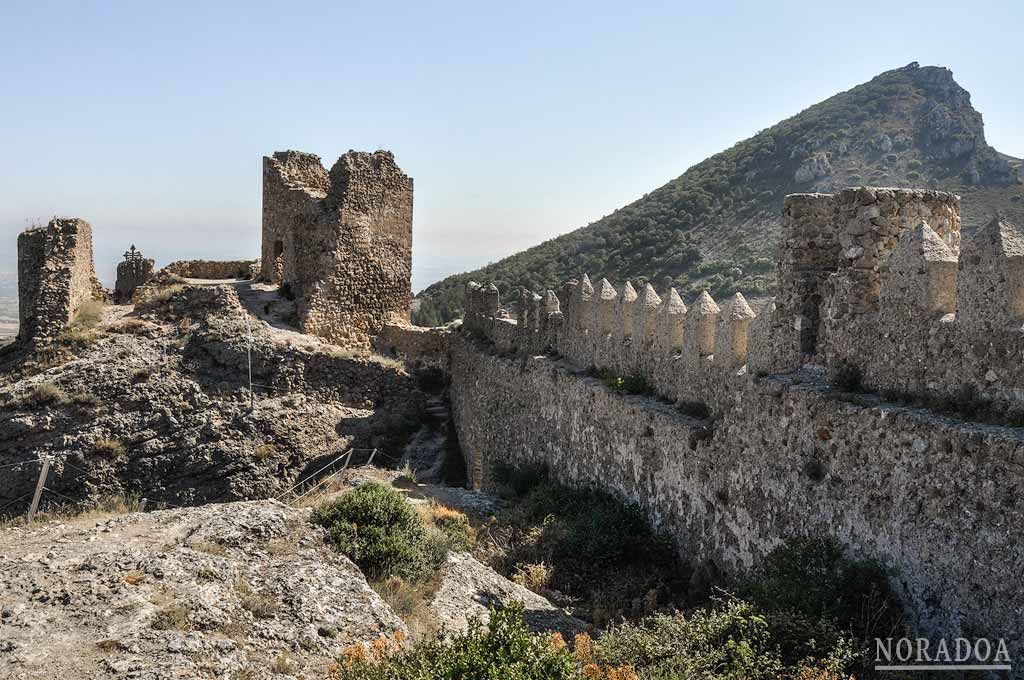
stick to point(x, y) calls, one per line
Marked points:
point(55, 277)
point(340, 242)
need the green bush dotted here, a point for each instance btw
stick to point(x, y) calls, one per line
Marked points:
point(731, 640)
point(504, 649)
point(632, 384)
point(847, 377)
point(377, 528)
point(596, 548)
point(811, 577)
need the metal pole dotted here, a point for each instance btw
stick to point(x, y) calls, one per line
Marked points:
point(248, 354)
point(39, 489)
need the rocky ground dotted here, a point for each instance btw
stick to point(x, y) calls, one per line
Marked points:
point(154, 402)
point(242, 590)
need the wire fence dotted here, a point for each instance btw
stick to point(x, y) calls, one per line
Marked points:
point(54, 469)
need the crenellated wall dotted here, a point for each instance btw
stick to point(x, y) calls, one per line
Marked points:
point(627, 332)
point(874, 278)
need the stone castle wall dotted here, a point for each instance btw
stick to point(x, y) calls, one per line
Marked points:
point(216, 270)
point(877, 278)
point(340, 242)
point(935, 499)
point(55, 277)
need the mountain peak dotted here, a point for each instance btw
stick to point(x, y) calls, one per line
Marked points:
point(716, 226)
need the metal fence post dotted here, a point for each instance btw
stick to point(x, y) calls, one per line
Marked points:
point(39, 489)
point(248, 354)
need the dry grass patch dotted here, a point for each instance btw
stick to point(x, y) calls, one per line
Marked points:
point(108, 447)
point(209, 547)
point(134, 577)
point(172, 617)
point(265, 451)
point(43, 394)
point(89, 314)
point(410, 600)
point(260, 605)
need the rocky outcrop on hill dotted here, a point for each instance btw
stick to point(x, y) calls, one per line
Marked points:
point(158, 405)
point(223, 591)
point(469, 589)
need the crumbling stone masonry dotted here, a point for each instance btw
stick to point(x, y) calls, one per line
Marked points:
point(340, 242)
point(213, 269)
point(760, 444)
point(55, 277)
point(133, 271)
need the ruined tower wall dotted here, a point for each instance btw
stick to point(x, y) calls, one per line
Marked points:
point(212, 269)
point(55, 277)
point(340, 241)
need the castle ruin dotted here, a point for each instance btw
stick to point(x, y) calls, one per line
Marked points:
point(752, 438)
point(340, 242)
point(56, 277)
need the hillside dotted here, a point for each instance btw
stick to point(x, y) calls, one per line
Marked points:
point(716, 226)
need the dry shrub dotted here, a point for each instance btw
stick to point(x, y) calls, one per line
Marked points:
point(264, 452)
point(89, 314)
point(535, 577)
point(108, 447)
point(260, 605)
point(43, 394)
point(171, 617)
point(134, 577)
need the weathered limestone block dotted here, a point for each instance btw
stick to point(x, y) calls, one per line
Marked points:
point(582, 305)
point(627, 313)
point(647, 321)
point(211, 269)
point(921, 277)
point(809, 254)
point(733, 333)
point(535, 311)
point(606, 308)
point(671, 316)
point(56, 277)
point(763, 352)
point(991, 282)
point(701, 325)
point(870, 224)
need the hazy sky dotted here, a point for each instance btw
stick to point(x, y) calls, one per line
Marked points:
point(519, 121)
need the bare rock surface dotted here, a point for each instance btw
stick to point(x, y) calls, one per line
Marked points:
point(157, 405)
point(468, 589)
point(208, 592)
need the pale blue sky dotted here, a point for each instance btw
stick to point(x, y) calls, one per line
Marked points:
point(519, 121)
